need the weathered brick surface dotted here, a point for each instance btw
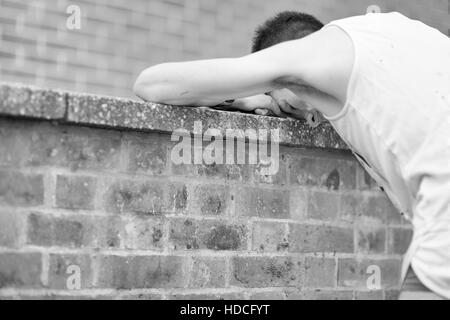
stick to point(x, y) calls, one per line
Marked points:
point(17, 189)
point(188, 234)
point(114, 205)
point(148, 156)
point(74, 232)
point(280, 178)
point(371, 239)
point(144, 198)
point(20, 270)
point(263, 203)
point(234, 171)
point(60, 272)
point(380, 208)
point(259, 272)
point(11, 147)
point(298, 208)
point(323, 206)
point(327, 174)
point(210, 200)
point(140, 272)
point(269, 237)
point(208, 272)
point(142, 233)
point(73, 148)
point(75, 192)
point(317, 238)
point(176, 200)
point(320, 272)
point(356, 274)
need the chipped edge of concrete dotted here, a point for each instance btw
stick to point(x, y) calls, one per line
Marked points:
point(20, 100)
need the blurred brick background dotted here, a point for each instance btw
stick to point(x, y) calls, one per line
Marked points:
point(119, 38)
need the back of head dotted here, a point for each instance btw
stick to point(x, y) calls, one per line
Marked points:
point(285, 26)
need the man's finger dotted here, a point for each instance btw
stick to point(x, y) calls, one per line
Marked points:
point(262, 112)
point(285, 107)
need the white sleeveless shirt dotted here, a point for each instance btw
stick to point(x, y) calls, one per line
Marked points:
point(397, 122)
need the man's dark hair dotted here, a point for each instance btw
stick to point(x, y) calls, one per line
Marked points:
point(285, 26)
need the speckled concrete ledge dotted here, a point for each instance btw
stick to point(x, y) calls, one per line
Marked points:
point(124, 114)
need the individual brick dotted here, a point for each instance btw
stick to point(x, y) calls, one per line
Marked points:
point(140, 272)
point(269, 237)
point(328, 174)
point(400, 240)
point(263, 203)
point(371, 239)
point(73, 192)
point(323, 206)
point(148, 156)
point(20, 270)
point(260, 272)
point(210, 200)
point(143, 198)
point(319, 272)
point(18, 189)
point(63, 267)
point(141, 233)
point(298, 204)
point(208, 272)
point(11, 228)
point(319, 295)
point(187, 234)
point(73, 232)
point(320, 238)
point(74, 148)
point(360, 273)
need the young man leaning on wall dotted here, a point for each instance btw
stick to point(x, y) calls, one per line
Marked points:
point(381, 80)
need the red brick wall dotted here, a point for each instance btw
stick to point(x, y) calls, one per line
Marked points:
point(119, 38)
point(112, 204)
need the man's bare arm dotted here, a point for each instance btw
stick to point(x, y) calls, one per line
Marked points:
point(320, 61)
point(208, 82)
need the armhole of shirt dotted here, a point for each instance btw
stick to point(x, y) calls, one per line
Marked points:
point(351, 83)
